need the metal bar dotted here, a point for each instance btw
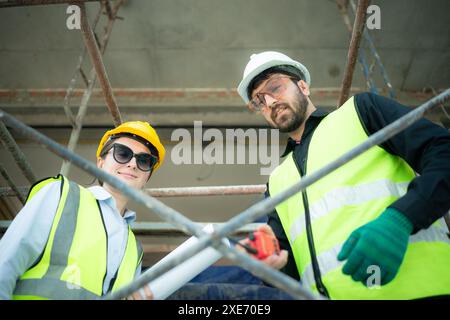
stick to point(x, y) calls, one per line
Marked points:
point(97, 61)
point(108, 9)
point(163, 228)
point(250, 214)
point(206, 191)
point(17, 154)
point(268, 204)
point(358, 28)
point(174, 98)
point(181, 191)
point(8, 192)
point(75, 135)
point(11, 183)
point(365, 69)
point(268, 274)
point(78, 70)
point(343, 9)
point(374, 51)
point(160, 228)
point(22, 3)
point(264, 206)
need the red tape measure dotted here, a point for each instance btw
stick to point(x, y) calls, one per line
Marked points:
point(264, 244)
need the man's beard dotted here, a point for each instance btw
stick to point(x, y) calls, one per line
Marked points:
point(294, 119)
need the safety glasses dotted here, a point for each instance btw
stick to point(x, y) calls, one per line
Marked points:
point(122, 154)
point(275, 87)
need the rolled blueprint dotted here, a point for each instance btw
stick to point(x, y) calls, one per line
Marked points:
point(168, 283)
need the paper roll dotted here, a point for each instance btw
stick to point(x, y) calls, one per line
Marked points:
point(166, 284)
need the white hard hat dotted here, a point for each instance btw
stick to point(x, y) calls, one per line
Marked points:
point(262, 61)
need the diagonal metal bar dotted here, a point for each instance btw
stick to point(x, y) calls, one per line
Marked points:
point(11, 183)
point(17, 154)
point(268, 204)
point(263, 207)
point(97, 61)
point(374, 52)
point(75, 135)
point(268, 274)
point(181, 191)
point(358, 28)
point(343, 9)
point(246, 216)
point(78, 71)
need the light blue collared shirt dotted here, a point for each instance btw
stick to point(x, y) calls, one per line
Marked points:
point(26, 237)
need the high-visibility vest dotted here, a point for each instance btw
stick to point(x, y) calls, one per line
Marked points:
point(73, 263)
point(351, 196)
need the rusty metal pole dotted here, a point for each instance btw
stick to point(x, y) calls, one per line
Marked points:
point(8, 179)
point(17, 154)
point(206, 191)
point(78, 124)
point(358, 28)
point(22, 3)
point(182, 191)
point(96, 59)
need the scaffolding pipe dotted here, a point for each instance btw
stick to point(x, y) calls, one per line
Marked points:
point(343, 9)
point(78, 70)
point(9, 192)
point(266, 273)
point(11, 183)
point(180, 191)
point(377, 57)
point(96, 59)
point(17, 154)
point(264, 206)
point(358, 28)
point(162, 228)
point(250, 214)
point(75, 135)
point(22, 3)
point(206, 191)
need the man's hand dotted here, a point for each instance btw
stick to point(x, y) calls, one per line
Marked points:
point(381, 242)
point(274, 261)
point(142, 294)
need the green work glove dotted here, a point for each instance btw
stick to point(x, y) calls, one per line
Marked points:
point(381, 242)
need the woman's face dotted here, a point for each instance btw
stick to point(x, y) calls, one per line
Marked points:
point(127, 172)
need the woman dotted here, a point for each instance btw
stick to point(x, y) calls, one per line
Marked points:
point(69, 242)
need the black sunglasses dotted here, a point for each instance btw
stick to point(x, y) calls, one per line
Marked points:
point(122, 154)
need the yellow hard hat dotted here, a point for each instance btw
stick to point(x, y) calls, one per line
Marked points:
point(140, 129)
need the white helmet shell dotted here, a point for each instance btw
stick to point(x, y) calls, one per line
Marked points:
point(263, 61)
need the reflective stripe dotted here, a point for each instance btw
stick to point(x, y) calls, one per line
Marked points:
point(52, 289)
point(140, 252)
point(64, 233)
point(328, 259)
point(344, 196)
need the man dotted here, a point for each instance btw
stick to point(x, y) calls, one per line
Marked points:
point(372, 229)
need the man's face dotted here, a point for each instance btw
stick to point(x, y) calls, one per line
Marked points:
point(284, 104)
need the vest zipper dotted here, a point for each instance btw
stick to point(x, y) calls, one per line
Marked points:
point(315, 264)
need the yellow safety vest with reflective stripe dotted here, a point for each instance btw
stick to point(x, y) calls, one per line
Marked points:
point(73, 264)
point(351, 196)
